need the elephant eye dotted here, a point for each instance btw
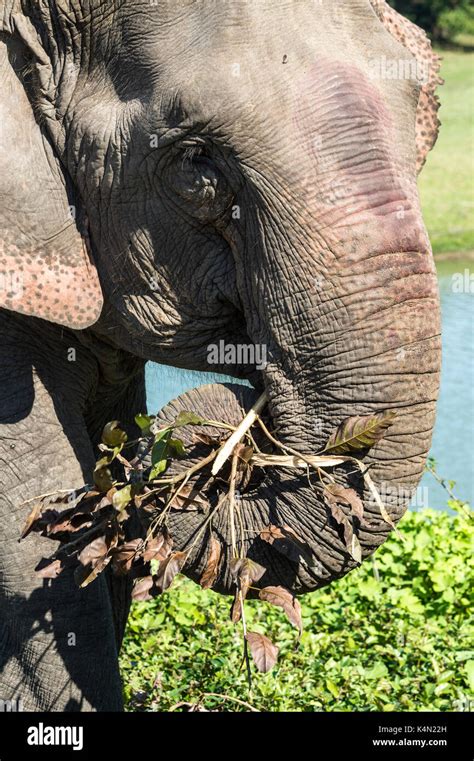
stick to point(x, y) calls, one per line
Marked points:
point(197, 181)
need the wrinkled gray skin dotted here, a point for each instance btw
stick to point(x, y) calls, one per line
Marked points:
point(328, 265)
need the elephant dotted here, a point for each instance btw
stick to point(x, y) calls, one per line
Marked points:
point(174, 175)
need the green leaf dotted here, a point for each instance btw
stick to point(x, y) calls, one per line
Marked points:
point(107, 458)
point(377, 671)
point(358, 433)
point(112, 435)
point(332, 688)
point(176, 446)
point(157, 469)
point(188, 418)
point(469, 668)
point(103, 479)
point(122, 497)
point(159, 453)
point(144, 422)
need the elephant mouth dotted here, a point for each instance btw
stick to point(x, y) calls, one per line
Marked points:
point(280, 518)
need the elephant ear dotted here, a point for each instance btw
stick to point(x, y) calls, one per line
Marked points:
point(45, 266)
point(416, 41)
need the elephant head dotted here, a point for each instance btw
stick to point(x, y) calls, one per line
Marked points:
point(195, 173)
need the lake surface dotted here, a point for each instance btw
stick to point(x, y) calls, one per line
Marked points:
point(453, 439)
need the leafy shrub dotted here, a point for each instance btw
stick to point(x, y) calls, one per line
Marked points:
point(442, 19)
point(392, 636)
point(457, 21)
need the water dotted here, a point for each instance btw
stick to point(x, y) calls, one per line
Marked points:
point(453, 439)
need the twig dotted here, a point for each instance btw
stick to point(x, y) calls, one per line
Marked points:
point(85, 488)
point(380, 504)
point(447, 488)
point(229, 697)
point(205, 524)
point(297, 460)
point(212, 695)
point(246, 646)
point(375, 569)
point(231, 498)
point(186, 474)
point(239, 433)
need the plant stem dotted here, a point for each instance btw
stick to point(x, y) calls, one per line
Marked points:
point(231, 497)
point(447, 488)
point(239, 433)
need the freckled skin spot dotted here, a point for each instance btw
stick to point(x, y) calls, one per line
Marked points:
point(73, 299)
point(418, 44)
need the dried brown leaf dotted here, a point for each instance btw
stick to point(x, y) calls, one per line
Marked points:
point(124, 556)
point(168, 570)
point(346, 497)
point(236, 609)
point(288, 543)
point(33, 516)
point(244, 453)
point(142, 588)
point(51, 570)
point(284, 599)
point(245, 571)
point(64, 525)
point(210, 441)
point(159, 547)
point(94, 551)
point(189, 499)
point(247, 567)
point(209, 575)
point(84, 575)
point(264, 652)
point(358, 433)
point(350, 539)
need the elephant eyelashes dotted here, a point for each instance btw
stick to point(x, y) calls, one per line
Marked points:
point(199, 184)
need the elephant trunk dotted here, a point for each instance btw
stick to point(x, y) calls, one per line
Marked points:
point(388, 361)
point(348, 313)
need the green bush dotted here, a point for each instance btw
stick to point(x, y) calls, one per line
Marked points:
point(392, 636)
point(453, 23)
point(442, 19)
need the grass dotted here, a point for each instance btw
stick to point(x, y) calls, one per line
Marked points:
point(394, 635)
point(446, 182)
